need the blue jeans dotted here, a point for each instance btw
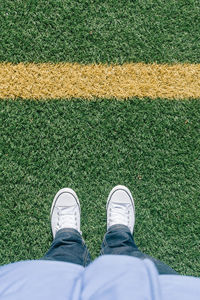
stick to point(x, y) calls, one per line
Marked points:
point(69, 246)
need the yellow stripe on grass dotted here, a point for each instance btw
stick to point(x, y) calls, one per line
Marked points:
point(67, 80)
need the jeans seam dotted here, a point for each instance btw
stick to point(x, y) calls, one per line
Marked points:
point(104, 245)
point(85, 257)
point(105, 242)
point(102, 251)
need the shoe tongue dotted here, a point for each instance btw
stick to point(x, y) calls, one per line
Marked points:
point(120, 204)
point(66, 209)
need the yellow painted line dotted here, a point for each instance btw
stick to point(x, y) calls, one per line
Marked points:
point(67, 80)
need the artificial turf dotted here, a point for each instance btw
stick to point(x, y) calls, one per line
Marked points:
point(100, 31)
point(151, 146)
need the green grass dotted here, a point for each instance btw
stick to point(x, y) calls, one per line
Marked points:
point(100, 31)
point(150, 146)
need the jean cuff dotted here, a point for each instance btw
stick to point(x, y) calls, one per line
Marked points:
point(68, 230)
point(117, 227)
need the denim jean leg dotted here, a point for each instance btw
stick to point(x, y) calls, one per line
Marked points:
point(119, 241)
point(68, 246)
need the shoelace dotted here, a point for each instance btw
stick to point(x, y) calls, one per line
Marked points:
point(67, 218)
point(119, 214)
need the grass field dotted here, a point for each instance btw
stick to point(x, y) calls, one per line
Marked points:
point(151, 146)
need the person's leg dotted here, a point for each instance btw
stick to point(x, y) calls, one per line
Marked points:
point(118, 240)
point(68, 244)
point(120, 225)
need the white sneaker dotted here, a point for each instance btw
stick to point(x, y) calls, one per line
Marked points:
point(120, 207)
point(65, 211)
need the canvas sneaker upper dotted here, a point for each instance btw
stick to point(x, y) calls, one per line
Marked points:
point(65, 211)
point(120, 207)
